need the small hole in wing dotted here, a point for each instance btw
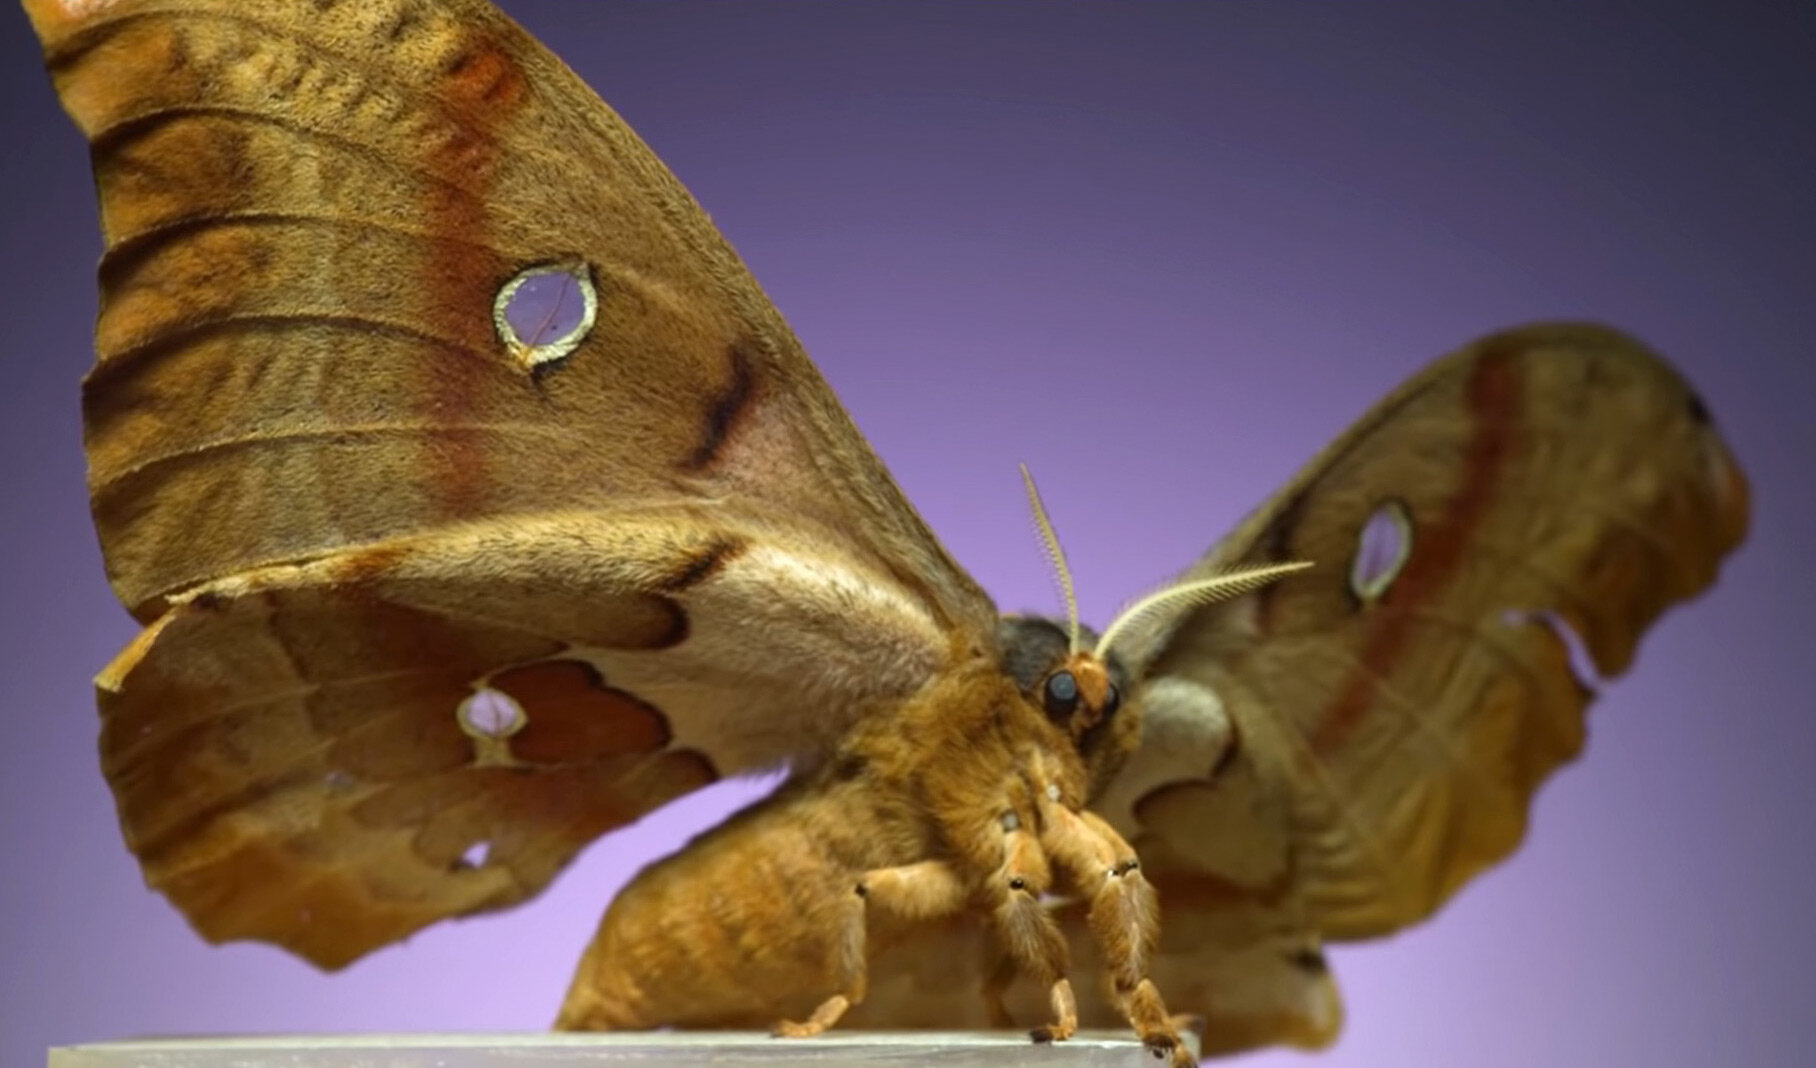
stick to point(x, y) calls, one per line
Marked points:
point(1582, 665)
point(475, 857)
point(490, 713)
point(543, 313)
point(1382, 549)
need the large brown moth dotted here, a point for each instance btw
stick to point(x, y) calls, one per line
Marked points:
point(433, 597)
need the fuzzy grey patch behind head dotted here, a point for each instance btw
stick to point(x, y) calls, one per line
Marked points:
point(544, 312)
point(1031, 646)
point(1034, 645)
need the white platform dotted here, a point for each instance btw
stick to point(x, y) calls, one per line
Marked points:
point(995, 1049)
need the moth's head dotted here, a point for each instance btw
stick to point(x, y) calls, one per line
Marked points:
point(1074, 675)
point(1086, 695)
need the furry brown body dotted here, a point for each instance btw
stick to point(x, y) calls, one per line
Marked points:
point(969, 797)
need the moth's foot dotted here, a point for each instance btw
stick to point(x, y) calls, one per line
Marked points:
point(1167, 1047)
point(1065, 1014)
point(791, 1029)
point(823, 1017)
point(1053, 1032)
point(1156, 1026)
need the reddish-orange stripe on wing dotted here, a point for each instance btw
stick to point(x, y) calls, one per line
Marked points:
point(1493, 395)
point(480, 91)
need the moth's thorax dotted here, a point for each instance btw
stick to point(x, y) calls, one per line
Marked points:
point(972, 717)
point(969, 775)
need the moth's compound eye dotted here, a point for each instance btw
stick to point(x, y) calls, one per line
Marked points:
point(1111, 702)
point(1060, 695)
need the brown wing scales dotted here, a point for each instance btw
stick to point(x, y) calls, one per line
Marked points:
point(1557, 480)
point(291, 764)
point(308, 214)
point(342, 499)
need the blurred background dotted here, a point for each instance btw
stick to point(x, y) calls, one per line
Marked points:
point(1162, 253)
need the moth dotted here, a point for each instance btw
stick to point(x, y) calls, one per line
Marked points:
point(437, 589)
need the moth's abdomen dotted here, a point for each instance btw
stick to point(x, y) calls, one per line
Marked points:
point(742, 927)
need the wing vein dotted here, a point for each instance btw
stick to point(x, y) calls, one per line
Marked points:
point(120, 360)
point(209, 449)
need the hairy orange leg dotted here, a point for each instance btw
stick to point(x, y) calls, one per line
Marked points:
point(1124, 917)
point(1029, 935)
point(927, 890)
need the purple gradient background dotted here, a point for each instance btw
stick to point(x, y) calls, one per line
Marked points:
point(1161, 252)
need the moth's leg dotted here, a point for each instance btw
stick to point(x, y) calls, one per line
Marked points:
point(1124, 917)
point(1029, 935)
point(823, 1016)
point(923, 891)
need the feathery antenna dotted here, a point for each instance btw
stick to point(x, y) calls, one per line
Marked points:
point(1231, 583)
point(1057, 555)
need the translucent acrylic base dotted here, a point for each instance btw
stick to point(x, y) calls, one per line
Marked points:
point(872, 1049)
